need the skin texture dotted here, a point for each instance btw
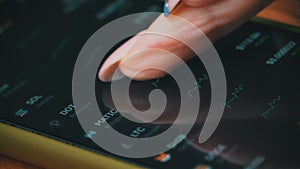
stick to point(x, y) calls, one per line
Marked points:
point(215, 18)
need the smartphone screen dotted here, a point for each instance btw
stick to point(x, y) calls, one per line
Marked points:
point(260, 127)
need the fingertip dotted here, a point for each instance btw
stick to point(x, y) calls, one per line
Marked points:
point(106, 72)
point(110, 65)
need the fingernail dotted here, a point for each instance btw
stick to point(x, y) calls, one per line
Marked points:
point(166, 9)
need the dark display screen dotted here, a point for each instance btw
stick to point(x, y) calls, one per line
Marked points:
point(260, 127)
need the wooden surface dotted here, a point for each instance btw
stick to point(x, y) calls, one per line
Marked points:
point(285, 11)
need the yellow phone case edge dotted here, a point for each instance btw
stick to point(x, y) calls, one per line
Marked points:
point(52, 154)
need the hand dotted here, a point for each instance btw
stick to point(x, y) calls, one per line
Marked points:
point(215, 18)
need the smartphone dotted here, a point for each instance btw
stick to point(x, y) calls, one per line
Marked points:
point(40, 42)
